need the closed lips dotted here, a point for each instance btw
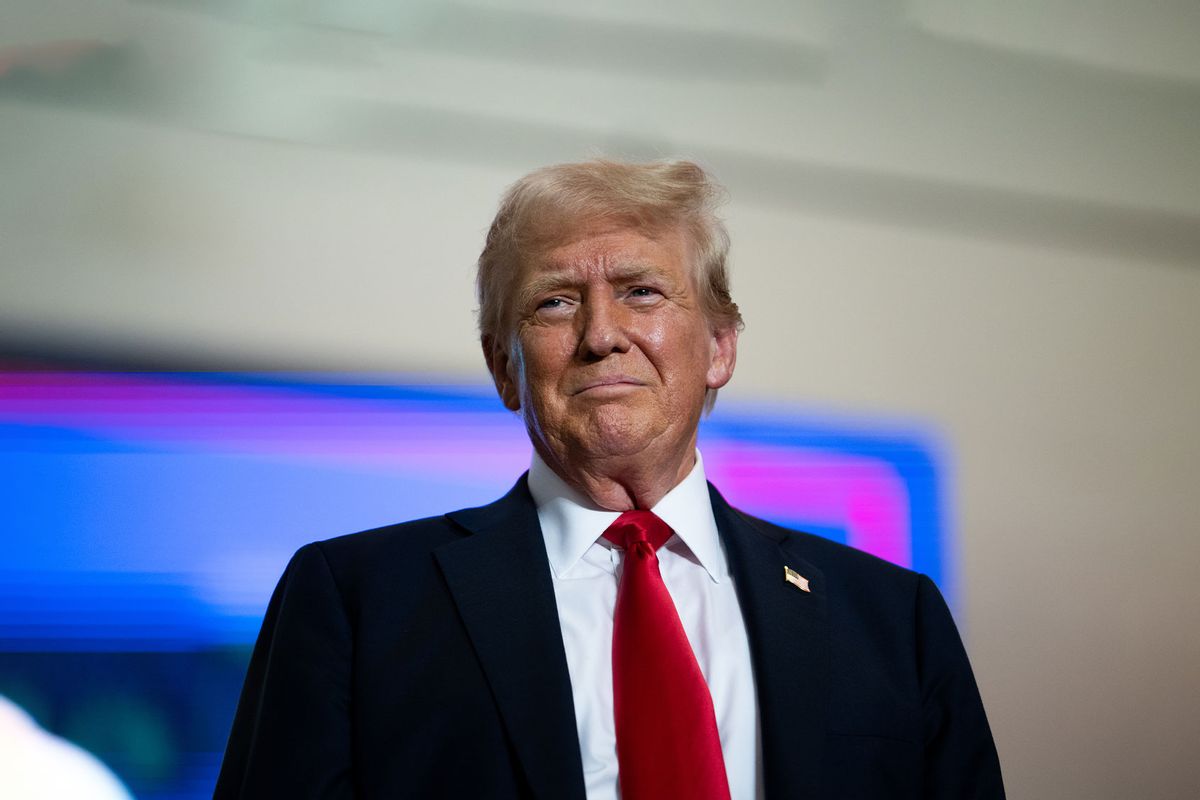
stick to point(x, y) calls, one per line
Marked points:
point(610, 381)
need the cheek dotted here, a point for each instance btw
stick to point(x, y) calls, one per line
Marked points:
point(655, 331)
point(666, 342)
point(685, 350)
point(544, 357)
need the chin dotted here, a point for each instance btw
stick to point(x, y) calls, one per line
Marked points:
point(617, 430)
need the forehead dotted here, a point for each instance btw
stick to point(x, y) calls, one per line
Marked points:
point(612, 252)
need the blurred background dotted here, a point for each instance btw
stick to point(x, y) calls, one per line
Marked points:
point(236, 315)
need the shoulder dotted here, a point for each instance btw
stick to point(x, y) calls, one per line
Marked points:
point(861, 592)
point(842, 566)
point(856, 568)
point(401, 539)
point(404, 553)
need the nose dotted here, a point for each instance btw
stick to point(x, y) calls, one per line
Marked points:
point(603, 330)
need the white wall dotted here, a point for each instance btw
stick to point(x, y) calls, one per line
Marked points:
point(985, 216)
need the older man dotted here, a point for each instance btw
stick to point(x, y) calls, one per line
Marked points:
point(611, 627)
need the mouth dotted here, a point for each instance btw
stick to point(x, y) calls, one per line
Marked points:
point(609, 384)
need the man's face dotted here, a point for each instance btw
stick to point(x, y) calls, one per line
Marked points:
point(612, 353)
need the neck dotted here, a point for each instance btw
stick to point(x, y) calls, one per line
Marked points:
point(625, 482)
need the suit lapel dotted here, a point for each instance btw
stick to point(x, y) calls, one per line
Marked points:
point(500, 580)
point(789, 645)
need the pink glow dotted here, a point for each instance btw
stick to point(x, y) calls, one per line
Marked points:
point(860, 495)
point(262, 422)
point(864, 497)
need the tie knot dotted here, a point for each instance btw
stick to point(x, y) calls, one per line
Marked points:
point(638, 526)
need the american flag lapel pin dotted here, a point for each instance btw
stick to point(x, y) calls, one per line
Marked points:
point(796, 579)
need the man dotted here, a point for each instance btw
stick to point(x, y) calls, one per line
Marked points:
point(611, 627)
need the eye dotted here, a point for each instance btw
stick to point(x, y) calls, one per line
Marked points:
point(554, 307)
point(643, 293)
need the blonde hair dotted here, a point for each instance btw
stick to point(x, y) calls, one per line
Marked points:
point(551, 204)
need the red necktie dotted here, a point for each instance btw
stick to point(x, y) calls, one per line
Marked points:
point(667, 741)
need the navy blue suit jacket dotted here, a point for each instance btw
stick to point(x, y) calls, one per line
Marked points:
point(425, 660)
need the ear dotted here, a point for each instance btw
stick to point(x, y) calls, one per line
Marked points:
point(723, 356)
point(501, 366)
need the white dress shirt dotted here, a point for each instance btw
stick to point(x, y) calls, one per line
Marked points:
point(586, 569)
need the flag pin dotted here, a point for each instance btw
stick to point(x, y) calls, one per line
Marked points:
point(796, 579)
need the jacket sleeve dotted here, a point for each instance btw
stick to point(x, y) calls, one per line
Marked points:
point(960, 757)
point(291, 733)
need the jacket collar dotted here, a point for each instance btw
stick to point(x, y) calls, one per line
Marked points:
point(500, 580)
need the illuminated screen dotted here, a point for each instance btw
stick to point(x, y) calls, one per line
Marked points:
point(146, 518)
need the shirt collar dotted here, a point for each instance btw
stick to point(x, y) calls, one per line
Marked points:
point(572, 523)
